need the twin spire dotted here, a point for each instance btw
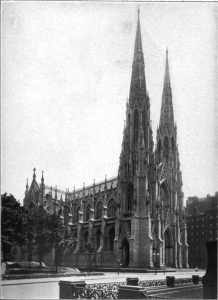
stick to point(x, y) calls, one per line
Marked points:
point(138, 53)
point(138, 82)
point(167, 116)
point(167, 73)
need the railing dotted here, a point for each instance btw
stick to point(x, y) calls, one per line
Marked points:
point(110, 290)
point(97, 222)
point(111, 219)
point(85, 224)
point(90, 293)
point(91, 261)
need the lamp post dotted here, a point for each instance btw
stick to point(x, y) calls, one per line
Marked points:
point(155, 254)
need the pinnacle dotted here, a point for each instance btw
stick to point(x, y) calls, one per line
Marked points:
point(167, 73)
point(138, 54)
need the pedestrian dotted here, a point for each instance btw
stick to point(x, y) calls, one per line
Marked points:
point(118, 266)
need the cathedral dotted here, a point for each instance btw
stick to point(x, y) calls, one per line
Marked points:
point(138, 216)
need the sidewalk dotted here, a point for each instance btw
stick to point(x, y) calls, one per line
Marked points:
point(108, 277)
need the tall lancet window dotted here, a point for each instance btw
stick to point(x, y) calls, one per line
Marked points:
point(166, 147)
point(144, 124)
point(136, 125)
point(88, 208)
point(173, 148)
point(159, 150)
point(129, 197)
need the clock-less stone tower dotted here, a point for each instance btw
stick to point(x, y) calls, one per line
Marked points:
point(150, 228)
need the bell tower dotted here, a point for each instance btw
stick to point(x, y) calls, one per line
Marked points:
point(137, 148)
point(170, 224)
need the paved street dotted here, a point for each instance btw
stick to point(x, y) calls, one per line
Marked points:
point(48, 288)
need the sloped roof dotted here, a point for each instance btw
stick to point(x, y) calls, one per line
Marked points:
point(99, 187)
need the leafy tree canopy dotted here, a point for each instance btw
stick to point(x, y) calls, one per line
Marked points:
point(13, 218)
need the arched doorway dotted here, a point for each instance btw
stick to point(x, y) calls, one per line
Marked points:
point(168, 249)
point(125, 253)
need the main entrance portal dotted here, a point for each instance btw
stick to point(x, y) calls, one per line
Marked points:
point(125, 253)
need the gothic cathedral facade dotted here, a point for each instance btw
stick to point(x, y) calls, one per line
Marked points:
point(137, 217)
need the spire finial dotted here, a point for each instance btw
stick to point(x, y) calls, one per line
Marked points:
point(105, 183)
point(42, 179)
point(138, 11)
point(27, 187)
point(34, 174)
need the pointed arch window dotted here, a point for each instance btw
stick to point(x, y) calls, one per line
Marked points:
point(129, 124)
point(144, 124)
point(77, 215)
point(111, 208)
point(85, 237)
point(88, 207)
point(98, 239)
point(159, 150)
point(129, 197)
point(136, 125)
point(166, 147)
point(74, 240)
point(99, 211)
point(173, 147)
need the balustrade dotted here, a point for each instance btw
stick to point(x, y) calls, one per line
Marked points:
point(114, 290)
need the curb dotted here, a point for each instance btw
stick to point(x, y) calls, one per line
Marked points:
point(35, 276)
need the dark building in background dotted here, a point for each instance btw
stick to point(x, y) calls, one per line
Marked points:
point(201, 227)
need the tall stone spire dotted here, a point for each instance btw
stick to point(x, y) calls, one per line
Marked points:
point(138, 54)
point(138, 83)
point(167, 116)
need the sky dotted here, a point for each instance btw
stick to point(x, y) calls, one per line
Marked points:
point(66, 70)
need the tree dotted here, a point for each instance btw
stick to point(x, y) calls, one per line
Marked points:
point(30, 234)
point(13, 218)
point(41, 232)
point(60, 236)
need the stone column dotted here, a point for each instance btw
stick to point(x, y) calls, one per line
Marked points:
point(175, 246)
